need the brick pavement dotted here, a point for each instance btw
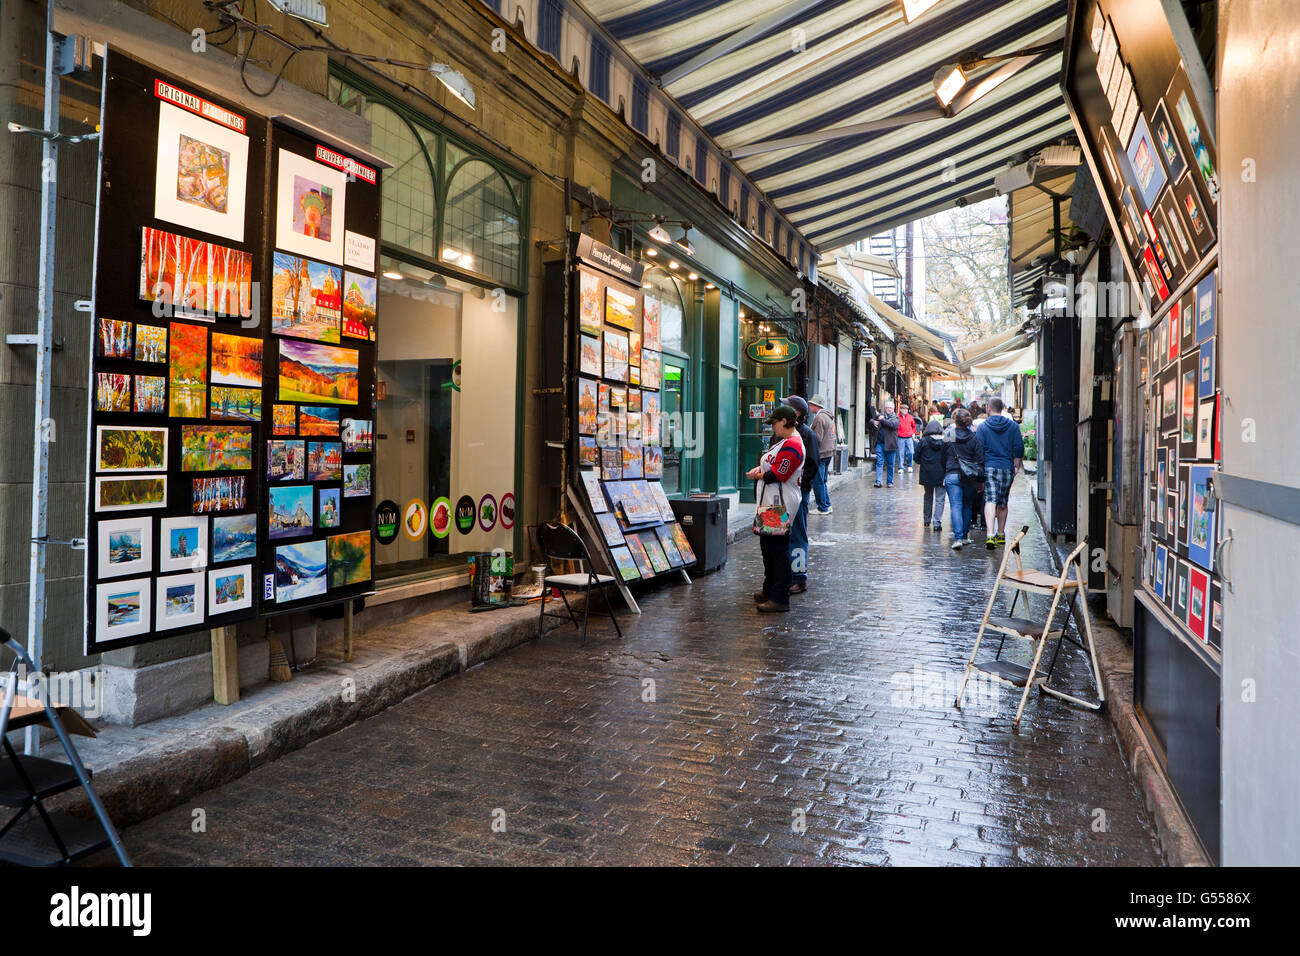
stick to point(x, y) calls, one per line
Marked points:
point(827, 736)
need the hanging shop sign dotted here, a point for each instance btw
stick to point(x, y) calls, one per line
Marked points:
point(229, 335)
point(609, 260)
point(773, 350)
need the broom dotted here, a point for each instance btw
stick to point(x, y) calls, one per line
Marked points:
point(279, 671)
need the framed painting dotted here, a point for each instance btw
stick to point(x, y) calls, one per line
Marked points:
point(589, 302)
point(1187, 374)
point(1205, 307)
point(125, 546)
point(1205, 429)
point(123, 609)
point(1200, 226)
point(230, 589)
point(1148, 169)
point(615, 356)
point(1166, 140)
point(620, 308)
point(309, 207)
point(1200, 518)
point(183, 543)
point(201, 177)
point(180, 601)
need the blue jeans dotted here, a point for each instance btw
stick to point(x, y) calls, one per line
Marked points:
point(886, 462)
point(823, 496)
point(952, 484)
point(799, 543)
point(905, 447)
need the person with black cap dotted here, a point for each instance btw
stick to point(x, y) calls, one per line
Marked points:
point(778, 474)
point(799, 529)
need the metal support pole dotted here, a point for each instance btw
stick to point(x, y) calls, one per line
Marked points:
point(44, 334)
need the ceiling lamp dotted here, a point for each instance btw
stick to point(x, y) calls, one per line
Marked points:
point(660, 234)
point(692, 277)
point(652, 252)
point(673, 265)
point(455, 83)
point(450, 254)
point(914, 8)
point(684, 243)
point(948, 82)
point(393, 274)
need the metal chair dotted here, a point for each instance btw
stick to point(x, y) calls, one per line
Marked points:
point(560, 542)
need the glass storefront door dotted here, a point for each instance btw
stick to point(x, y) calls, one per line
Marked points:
point(445, 425)
point(758, 396)
point(674, 383)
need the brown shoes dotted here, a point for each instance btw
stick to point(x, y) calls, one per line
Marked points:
point(768, 607)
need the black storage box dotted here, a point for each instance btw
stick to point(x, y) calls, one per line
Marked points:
point(705, 522)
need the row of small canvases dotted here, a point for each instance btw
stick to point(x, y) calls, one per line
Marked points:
point(638, 525)
point(619, 423)
point(149, 372)
point(1160, 167)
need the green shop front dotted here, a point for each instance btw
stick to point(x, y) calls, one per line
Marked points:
point(715, 285)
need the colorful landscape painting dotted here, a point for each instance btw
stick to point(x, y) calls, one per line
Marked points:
point(284, 420)
point(620, 308)
point(124, 608)
point(236, 360)
point(324, 460)
point(183, 402)
point(229, 591)
point(235, 404)
point(112, 392)
point(188, 356)
point(216, 447)
point(358, 434)
point(151, 343)
point(126, 546)
point(122, 494)
point(356, 481)
point(360, 302)
point(349, 559)
point(306, 298)
point(234, 537)
point(327, 515)
point(128, 448)
point(312, 372)
point(318, 420)
point(151, 394)
point(299, 570)
point(195, 276)
point(218, 494)
point(291, 511)
point(114, 339)
point(286, 460)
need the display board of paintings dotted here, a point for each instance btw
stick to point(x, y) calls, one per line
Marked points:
point(1157, 172)
point(617, 455)
point(190, 377)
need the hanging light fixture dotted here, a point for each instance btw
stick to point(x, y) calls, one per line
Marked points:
point(455, 83)
point(684, 243)
point(660, 234)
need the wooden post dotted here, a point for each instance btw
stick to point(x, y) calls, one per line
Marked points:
point(349, 649)
point(225, 665)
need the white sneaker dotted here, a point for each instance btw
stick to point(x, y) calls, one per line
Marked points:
point(909, 469)
point(957, 545)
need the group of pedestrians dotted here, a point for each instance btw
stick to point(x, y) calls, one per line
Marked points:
point(966, 458)
point(794, 466)
point(974, 463)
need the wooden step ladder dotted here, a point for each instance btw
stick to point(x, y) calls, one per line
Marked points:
point(1026, 582)
point(45, 837)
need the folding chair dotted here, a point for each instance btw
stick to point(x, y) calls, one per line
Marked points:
point(1027, 582)
point(559, 542)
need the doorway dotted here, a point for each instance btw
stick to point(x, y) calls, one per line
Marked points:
point(757, 399)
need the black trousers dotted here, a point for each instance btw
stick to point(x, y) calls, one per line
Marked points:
point(776, 567)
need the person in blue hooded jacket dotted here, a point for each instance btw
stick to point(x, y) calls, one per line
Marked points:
point(1004, 451)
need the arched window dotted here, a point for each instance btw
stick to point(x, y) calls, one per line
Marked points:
point(409, 214)
point(481, 226)
point(659, 284)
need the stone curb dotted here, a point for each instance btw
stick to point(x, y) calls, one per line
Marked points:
point(162, 777)
point(1178, 840)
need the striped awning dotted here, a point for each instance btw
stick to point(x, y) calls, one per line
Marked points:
point(751, 72)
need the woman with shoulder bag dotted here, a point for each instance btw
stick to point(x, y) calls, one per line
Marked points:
point(964, 468)
point(778, 495)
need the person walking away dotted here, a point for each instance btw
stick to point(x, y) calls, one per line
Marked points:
point(799, 530)
point(907, 429)
point(930, 461)
point(1004, 451)
point(886, 443)
point(935, 414)
point(823, 427)
point(963, 465)
point(778, 473)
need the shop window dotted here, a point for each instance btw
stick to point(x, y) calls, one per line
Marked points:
point(481, 228)
point(674, 392)
point(660, 286)
point(701, 159)
point(724, 188)
point(445, 419)
point(674, 143)
point(640, 104)
point(550, 19)
point(409, 209)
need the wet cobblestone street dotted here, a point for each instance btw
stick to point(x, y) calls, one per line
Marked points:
point(825, 736)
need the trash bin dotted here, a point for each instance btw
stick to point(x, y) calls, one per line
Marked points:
point(705, 522)
point(841, 459)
